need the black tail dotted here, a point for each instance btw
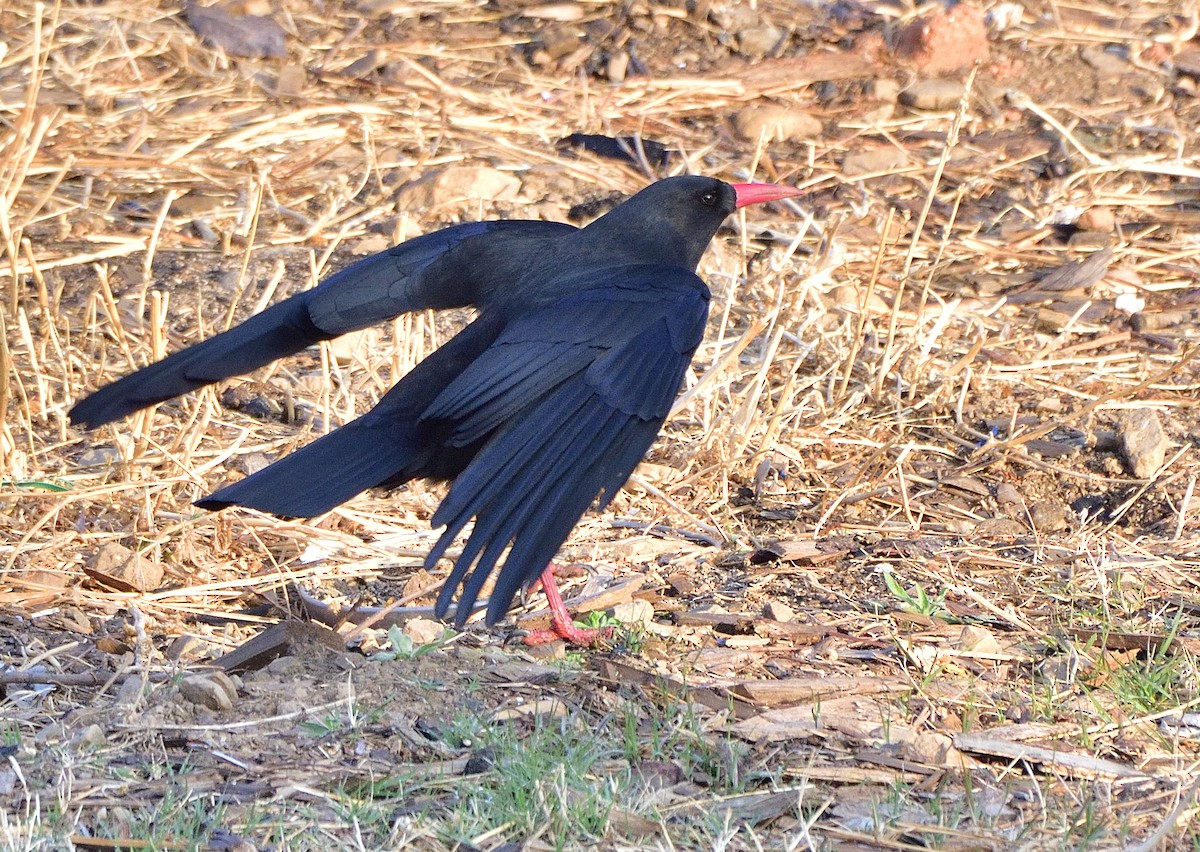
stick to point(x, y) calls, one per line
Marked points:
point(326, 473)
point(280, 330)
point(388, 445)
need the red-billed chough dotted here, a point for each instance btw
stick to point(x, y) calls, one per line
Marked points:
point(538, 409)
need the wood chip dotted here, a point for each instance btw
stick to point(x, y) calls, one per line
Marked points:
point(276, 641)
point(794, 690)
point(1067, 763)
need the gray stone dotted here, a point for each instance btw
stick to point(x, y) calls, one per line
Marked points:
point(1006, 492)
point(213, 690)
point(1048, 516)
point(1143, 442)
point(187, 649)
point(99, 457)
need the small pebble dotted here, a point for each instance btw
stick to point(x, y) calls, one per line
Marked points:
point(129, 693)
point(933, 95)
point(998, 528)
point(99, 457)
point(779, 611)
point(874, 161)
point(250, 463)
point(1006, 492)
point(423, 631)
point(456, 185)
point(1129, 303)
point(1105, 61)
point(91, 736)
point(548, 651)
point(1048, 516)
point(187, 648)
point(758, 41)
point(1097, 219)
point(635, 613)
point(617, 67)
point(290, 82)
point(1143, 442)
point(776, 122)
point(884, 89)
point(213, 690)
point(978, 639)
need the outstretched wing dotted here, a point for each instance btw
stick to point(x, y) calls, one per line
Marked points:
point(426, 272)
point(574, 395)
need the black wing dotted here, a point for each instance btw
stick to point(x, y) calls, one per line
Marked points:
point(385, 446)
point(429, 271)
point(575, 393)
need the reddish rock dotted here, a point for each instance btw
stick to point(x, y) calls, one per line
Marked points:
point(1097, 219)
point(1156, 54)
point(944, 41)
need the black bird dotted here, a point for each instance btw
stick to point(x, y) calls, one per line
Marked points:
point(538, 409)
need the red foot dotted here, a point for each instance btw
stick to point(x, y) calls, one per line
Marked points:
point(563, 627)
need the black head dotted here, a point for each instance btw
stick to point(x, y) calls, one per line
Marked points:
point(672, 221)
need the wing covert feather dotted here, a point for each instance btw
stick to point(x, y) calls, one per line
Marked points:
point(573, 429)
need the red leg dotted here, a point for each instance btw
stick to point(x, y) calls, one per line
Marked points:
point(564, 628)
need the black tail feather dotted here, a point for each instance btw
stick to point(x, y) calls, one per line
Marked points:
point(324, 474)
point(280, 330)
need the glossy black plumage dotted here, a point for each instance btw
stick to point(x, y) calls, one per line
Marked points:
point(542, 405)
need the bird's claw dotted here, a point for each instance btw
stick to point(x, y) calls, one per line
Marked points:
point(581, 637)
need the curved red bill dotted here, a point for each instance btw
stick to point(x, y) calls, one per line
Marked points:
point(757, 193)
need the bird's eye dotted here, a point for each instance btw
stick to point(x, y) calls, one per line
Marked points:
point(709, 198)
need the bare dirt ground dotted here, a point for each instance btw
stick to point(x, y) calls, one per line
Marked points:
point(914, 564)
